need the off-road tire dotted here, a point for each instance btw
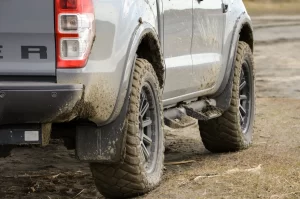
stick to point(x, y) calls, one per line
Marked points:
point(129, 178)
point(225, 134)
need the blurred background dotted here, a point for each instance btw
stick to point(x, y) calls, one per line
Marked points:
point(277, 46)
point(263, 7)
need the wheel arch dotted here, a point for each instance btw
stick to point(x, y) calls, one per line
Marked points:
point(149, 49)
point(243, 31)
point(144, 40)
point(146, 44)
point(246, 35)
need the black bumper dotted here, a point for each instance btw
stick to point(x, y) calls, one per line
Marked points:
point(36, 103)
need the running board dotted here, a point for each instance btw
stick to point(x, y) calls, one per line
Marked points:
point(203, 110)
point(178, 123)
point(210, 113)
point(185, 115)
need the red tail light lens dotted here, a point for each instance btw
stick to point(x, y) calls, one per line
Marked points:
point(68, 4)
point(75, 32)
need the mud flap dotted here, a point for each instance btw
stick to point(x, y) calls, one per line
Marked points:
point(223, 99)
point(105, 144)
point(100, 144)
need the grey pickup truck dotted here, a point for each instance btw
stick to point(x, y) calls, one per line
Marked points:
point(105, 76)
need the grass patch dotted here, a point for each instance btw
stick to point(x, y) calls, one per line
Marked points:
point(273, 7)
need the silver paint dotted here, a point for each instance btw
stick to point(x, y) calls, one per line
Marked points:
point(197, 45)
point(20, 26)
point(188, 32)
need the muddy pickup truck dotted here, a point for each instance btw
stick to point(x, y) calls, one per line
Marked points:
point(106, 76)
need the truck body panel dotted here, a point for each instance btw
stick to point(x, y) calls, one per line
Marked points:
point(27, 38)
point(194, 39)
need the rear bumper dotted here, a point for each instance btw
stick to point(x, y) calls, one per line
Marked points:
point(37, 103)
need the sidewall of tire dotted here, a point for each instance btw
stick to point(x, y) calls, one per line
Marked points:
point(155, 177)
point(225, 133)
point(248, 136)
point(129, 178)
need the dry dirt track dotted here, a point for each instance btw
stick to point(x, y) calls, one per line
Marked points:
point(277, 56)
point(270, 169)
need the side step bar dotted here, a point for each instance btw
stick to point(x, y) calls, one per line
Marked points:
point(185, 115)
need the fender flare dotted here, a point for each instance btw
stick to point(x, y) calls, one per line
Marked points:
point(141, 30)
point(223, 95)
point(111, 149)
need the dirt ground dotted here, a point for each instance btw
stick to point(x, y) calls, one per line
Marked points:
point(269, 169)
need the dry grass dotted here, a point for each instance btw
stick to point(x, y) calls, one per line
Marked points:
point(269, 7)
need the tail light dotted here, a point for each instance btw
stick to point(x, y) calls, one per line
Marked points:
point(75, 32)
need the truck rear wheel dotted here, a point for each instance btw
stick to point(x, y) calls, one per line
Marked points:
point(233, 130)
point(143, 166)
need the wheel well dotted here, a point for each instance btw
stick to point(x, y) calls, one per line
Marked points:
point(149, 49)
point(246, 35)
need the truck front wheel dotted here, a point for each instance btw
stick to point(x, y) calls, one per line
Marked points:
point(233, 130)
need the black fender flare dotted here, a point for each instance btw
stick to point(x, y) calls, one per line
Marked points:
point(141, 30)
point(223, 95)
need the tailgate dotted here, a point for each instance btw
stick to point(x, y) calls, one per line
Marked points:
point(27, 38)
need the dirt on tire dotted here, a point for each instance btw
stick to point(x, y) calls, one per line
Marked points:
point(225, 133)
point(130, 178)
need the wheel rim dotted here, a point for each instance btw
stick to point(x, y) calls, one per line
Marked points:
point(245, 95)
point(148, 127)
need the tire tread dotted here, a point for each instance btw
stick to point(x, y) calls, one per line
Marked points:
point(224, 134)
point(128, 179)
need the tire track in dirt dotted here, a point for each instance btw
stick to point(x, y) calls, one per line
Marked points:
point(273, 30)
point(269, 169)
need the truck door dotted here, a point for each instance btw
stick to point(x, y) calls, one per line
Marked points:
point(177, 47)
point(207, 44)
